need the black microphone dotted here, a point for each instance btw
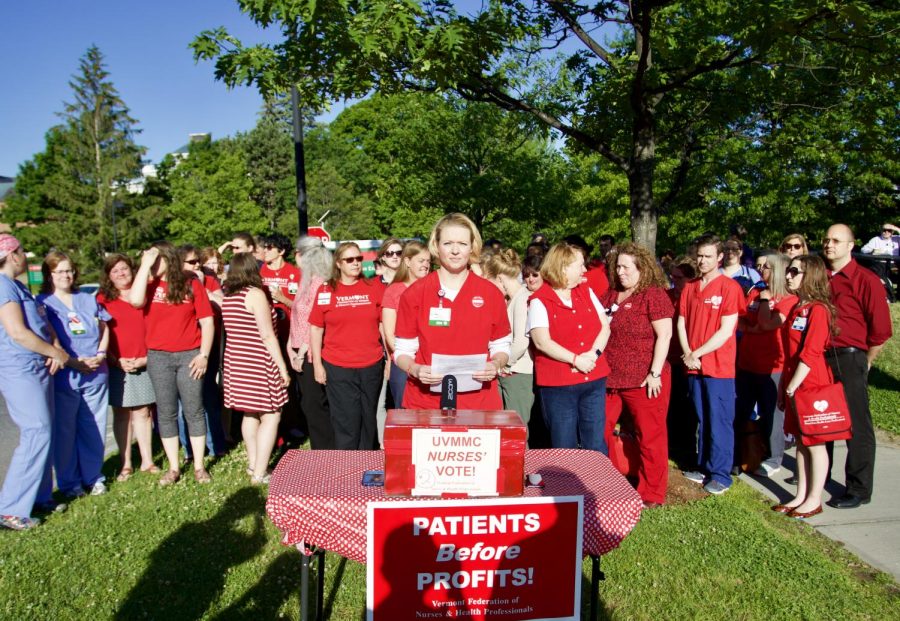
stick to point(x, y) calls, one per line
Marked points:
point(448, 394)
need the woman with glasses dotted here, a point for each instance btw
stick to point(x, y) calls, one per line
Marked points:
point(388, 259)
point(452, 312)
point(531, 272)
point(569, 328)
point(415, 263)
point(29, 355)
point(81, 392)
point(639, 382)
point(761, 357)
point(794, 245)
point(315, 263)
point(130, 389)
point(746, 277)
point(806, 333)
point(346, 348)
point(180, 331)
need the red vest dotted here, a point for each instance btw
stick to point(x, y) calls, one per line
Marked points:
point(574, 328)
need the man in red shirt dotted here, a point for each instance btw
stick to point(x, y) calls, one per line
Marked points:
point(281, 279)
point(707, 322)
point(864, 324)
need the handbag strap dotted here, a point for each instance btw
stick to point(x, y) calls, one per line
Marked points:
point(830, 342)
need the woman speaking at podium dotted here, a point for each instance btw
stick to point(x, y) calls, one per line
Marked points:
point(452, 322)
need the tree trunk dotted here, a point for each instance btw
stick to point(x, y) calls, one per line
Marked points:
point(640, 182)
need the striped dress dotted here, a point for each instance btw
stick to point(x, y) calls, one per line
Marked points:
point(251, 379)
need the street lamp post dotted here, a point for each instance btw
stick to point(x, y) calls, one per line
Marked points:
point(300, 165)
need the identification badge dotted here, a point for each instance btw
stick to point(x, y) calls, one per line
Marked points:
point(75, 326)
point(799, 324)
point(438, 316)
point(324, 298)
point(292, 288)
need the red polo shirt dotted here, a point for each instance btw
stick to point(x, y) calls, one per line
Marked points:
point(703, 312)
point(863, 316)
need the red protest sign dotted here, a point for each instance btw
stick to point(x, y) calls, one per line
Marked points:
point(475, 559)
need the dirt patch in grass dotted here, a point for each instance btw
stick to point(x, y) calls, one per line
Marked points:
point(682, 491)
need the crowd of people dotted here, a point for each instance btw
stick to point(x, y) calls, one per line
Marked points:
point(675, 353)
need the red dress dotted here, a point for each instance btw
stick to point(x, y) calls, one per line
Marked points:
point(251, 379)
point(815, 321)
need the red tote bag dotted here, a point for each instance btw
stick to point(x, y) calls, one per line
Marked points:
point(822, 414)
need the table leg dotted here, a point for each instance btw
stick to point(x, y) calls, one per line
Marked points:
point(320, 587)
point(304, 586)
point(596, 577)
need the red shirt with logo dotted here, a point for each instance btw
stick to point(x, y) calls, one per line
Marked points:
point(703, 312)
point(477, 316)
point(127, 336)
point(287, 279)
point(174, 327)
point(350, 315)
point(762, 352)
point(814, 320)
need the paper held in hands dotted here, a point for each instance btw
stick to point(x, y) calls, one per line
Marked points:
point(462, 367)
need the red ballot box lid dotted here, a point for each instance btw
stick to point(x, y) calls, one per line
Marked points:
point(461, 418)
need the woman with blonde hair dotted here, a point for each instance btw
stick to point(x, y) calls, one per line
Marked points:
point(452, 312)
point(794, 245)
point(640, 317)
point(415, 263)
point(569, 328)
point(517, 377)
point(806, 334)
point(761, 358)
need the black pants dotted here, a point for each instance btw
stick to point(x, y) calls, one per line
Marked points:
point(353, 402)
point(314, 403)
point(852, 370)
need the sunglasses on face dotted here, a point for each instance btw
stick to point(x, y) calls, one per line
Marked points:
point(793, 271)
point(192, 261)
point(792, 246)
point(887, 231)
point(349, 260)
point(393, 253)
point(762, 266)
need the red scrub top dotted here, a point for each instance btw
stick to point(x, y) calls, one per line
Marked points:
point(350, 315)
point(174, 327)
point(703, 312)
point(477, 316)
point(761, 352)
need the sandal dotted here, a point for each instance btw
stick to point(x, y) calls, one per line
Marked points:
point(263, 480)
point(153, 469)
point(14, 522)
point(170, 477)
point(124, 474)
point(202, 476)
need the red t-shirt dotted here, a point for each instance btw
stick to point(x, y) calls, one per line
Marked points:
point(286, 278)
point(392, 295)
point(127, 336)
point(211, 283)
point(175, 327)
point(761, 352)
point(703, 312)
point(815, 320)
point(477, 316)
point(629, 351)
point(350, 316)
point(596, 279)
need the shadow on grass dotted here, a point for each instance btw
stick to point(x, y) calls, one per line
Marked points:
point(187, 571)
point(882, 380)
point(264, 599)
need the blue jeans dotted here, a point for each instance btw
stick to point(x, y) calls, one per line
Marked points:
point(713, 399)
point(576, 415)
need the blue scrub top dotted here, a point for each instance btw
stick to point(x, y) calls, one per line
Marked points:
point(78, 331)
point(35, 317)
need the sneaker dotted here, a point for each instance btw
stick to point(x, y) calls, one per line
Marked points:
point(14, 522)
point(714, 487)
point(765, 470)
point(51, 506)
point(75, 494)
point(98, 489)
point(693, 475)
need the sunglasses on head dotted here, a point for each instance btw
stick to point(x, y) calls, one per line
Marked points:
point(392, 253)
point(793, 271)
point(792, 246)
point(352, 260)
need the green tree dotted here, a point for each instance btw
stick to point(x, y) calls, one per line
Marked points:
point(66, 193)
point(649, 85)
point(212, 194)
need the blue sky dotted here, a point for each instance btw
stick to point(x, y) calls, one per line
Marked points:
point(146, 49)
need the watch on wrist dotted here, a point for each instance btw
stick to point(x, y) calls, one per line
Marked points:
point(599, 352)
point(655, 375)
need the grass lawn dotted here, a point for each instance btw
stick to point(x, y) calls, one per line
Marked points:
point(884, 381)
point(209, 552)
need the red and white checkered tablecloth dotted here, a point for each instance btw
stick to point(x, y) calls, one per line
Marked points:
point(316, 497)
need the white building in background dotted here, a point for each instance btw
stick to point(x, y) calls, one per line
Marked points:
point(136, 186)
